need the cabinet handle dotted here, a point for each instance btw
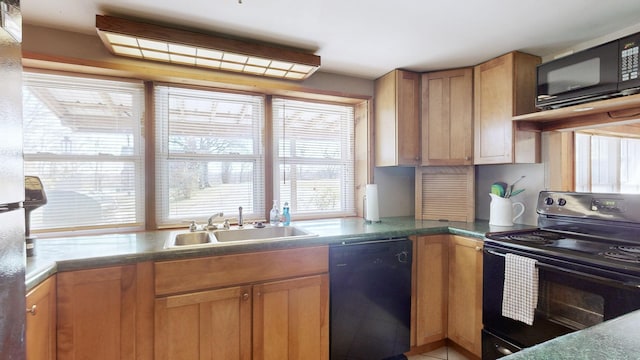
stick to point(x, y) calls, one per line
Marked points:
point(33, 310)
point(503, 350)
point(478, 248)
point(245, 296)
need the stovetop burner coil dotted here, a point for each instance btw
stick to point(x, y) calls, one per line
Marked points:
point(622, 256)
point(625, 253)
point(628, 249)
point(538, 237)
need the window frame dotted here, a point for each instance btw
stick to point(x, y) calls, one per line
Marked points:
point(160, 151)
point(362, 106)
point(137, 158)
point(348, 205)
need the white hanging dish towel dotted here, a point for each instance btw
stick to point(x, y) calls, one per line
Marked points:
point(520, 294)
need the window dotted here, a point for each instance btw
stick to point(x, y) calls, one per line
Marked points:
point(608, 164)
point(82, 137)
point(209, 154)
point(314, 158)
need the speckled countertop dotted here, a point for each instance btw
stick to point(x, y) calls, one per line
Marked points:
point(82, 252)
point(615, 339)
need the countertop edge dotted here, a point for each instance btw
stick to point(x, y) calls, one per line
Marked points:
point(40, 269)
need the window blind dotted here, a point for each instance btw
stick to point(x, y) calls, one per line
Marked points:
point(209, 155)
point(607, 164)
point(314, 158)
point(83, 138)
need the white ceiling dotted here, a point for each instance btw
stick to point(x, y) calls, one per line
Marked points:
point(369, 38)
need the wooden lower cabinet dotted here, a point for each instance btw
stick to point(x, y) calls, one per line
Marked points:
point(465, 293)
point(41, 321)
point(291, 319)
point(105, 313)
point(447, 292)
point(430, 288)
point(286, 319)
point(214, 324)
point(261, 305)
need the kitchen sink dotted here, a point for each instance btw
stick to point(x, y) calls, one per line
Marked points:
point(265, 233)
point(193, 238)
point(235, 234)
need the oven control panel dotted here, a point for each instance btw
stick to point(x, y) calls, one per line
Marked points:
point(616, 207)
point(607, 205)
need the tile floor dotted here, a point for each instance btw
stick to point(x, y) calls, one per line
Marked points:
point(443, 353)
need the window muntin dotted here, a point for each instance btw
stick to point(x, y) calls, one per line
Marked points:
point(209, 154)
point(314, 158)
point(83, 138)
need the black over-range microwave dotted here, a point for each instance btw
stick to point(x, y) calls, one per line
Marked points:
point(601, 72)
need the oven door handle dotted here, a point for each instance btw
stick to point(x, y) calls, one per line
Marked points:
point(600, 279)
point(592, 277)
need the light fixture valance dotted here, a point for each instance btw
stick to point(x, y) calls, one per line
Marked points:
point(158, 43)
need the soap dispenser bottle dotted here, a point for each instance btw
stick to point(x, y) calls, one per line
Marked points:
point(286, 215)
point(274, 214)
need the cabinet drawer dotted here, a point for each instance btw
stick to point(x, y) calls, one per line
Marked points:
point(217, 271)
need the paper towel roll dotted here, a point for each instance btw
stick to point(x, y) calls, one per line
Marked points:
point(371, 211)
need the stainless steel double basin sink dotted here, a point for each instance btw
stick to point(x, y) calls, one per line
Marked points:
point(207, 238)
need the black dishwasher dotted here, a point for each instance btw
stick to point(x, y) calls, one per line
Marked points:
point(370, 299)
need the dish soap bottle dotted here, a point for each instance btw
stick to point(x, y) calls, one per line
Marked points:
point(274, 214)
point(286, 216)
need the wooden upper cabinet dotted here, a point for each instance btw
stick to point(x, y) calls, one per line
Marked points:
point(447, 117)
point(41, 321)
point(503, 88)
point(397, 119)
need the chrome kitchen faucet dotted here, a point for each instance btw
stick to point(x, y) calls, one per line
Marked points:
point(210, 225)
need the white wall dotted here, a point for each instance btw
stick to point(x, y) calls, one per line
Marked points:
point(396, 189)
point(533, 183)
point(594, 42)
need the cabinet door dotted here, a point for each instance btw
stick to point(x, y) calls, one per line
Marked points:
point(397, 119)
point(505, 87)
point(465, 293)
point(408, 118)
point(41, 321)
point(430, 286)
point(214, 324)
point(493, 96)
point(447, 117)
point(101, 311)
point(291, 319)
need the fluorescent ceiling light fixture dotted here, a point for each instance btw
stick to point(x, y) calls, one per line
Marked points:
point(11, 20)
point(158, 43)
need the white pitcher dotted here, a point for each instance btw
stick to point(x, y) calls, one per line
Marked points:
point(502, 209)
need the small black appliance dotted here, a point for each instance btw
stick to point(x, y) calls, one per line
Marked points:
point(605, 71)
point(34, 197)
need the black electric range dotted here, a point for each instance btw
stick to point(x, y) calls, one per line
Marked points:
point(602, 230)
point(587, 253)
